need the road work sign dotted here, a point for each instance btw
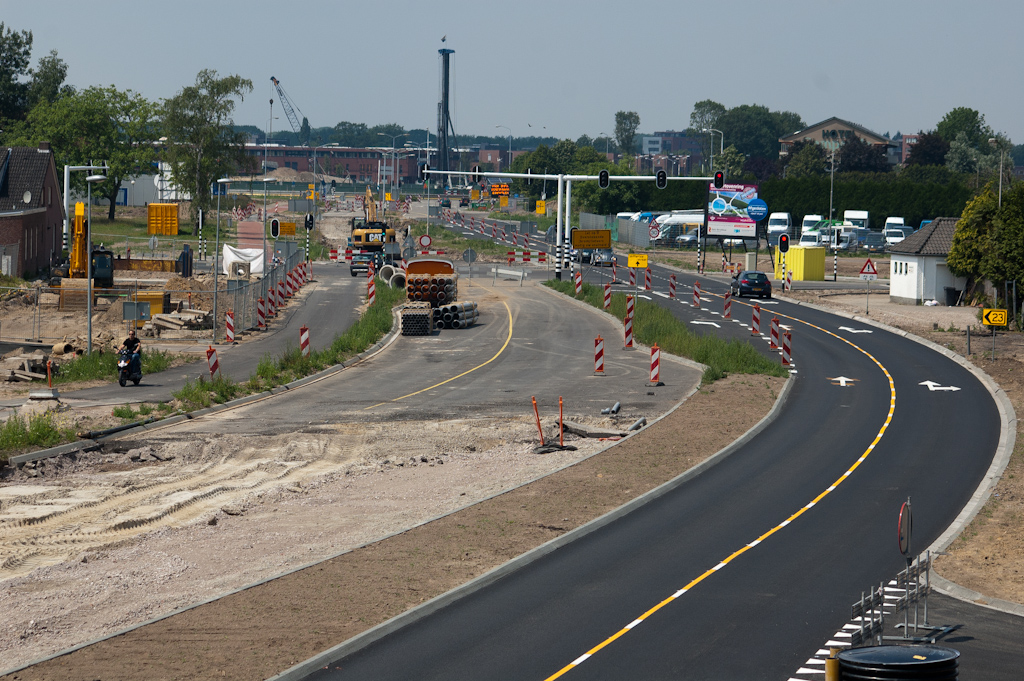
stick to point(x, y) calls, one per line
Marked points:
point(993, 317)
point(868, 271)
point(591, 238)
point(637, 260)
point(541, 208)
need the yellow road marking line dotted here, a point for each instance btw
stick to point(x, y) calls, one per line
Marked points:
point(707, 573)
point(480, 366)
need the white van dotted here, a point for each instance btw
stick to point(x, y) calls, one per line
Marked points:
point(673, 226)
point(779, 223)
point(809, 222)
point(859, 218)
point(893, 223)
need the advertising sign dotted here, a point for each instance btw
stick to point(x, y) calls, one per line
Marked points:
point(727, 211)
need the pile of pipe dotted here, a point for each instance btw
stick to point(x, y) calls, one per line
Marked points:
point(417, 319)
point(393, 275)
point(436, 290)
point(456, 315)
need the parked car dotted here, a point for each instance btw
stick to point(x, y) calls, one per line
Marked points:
point(751, 283)
point(874, 242)
point(603, 256)
point(893, 236)
point(809, 240)
point(688, 240)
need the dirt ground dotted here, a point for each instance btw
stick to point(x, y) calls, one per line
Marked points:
point(139, 573)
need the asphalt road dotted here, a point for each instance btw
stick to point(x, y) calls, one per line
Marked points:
point(327, 306)
point(746, 569)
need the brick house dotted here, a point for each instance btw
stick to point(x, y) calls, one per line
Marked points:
point(31, 211)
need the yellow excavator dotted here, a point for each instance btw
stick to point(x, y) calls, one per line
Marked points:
point(371, 234)
point(76, 267)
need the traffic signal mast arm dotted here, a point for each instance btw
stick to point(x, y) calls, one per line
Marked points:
point(573, 178)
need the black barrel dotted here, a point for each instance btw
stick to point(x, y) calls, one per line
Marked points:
point(883, 663)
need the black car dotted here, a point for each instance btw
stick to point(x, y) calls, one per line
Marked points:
point(446, 203)
point(874, 242)
point(463, 202)
point(751, 283)
point(361, 262)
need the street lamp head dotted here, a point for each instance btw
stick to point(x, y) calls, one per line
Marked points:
point(96, 178)
point(223, 180)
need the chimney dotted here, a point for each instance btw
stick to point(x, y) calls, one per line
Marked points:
point(44, 146)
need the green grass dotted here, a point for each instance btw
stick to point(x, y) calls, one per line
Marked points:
point(42, 430)
point(654, 324)
point(455, 244)
point(103, 366)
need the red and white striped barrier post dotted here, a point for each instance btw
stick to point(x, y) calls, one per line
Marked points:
point(696, 294)
point(607, 296)
point(655, 366)
point(629, 306)
point(727, 309)
point(627, 324)
point(632, 277)
point(211, 359)
point(304, 341)
point(599, 356)
point(787, 349)
point(334, 255)
point(261, 314)
point(280, 292)
point(371, 288)
point(723, 262)
point(288, 284)
point(671, 286)
point(229, 326)
point(755, 322)
point(579, 282)
point(271, 301)
point(773, 336)
point(614, 276)
point(647, 279)
point(789, 280)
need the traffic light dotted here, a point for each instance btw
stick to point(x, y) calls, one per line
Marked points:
point(334, 184)
point(719, 179)
point(423, 172)
point(275, 228)
point(309, 222)
point(602, 179)
point(783, 243)
point(661, 179)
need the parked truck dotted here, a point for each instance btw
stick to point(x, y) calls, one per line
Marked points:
point(858, 218)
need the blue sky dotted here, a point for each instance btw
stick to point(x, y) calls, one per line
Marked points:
point(562, 67)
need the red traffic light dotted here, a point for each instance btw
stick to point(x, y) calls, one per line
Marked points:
point(719, 179)
point(603, 180)
point(783, 243)
point(661, 179)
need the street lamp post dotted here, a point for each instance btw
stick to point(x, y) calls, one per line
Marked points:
point(995, 143)
point(394, 157)
point(266, 181)
point(721, 148)
point(509, 144)
point(607, 141)
point(216, 256)
point(88, 255)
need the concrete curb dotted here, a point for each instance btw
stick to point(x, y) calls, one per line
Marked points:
point(1007, 441)
point(417, 613)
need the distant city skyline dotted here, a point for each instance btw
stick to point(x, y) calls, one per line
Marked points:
point(556, 69)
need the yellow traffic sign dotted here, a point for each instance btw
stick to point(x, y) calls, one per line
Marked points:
point(591, 238)
point(542, 208)
point(287, 229)
point(503, 202)
point(637, 260)
point(387, 196)
point(993, 317)
point(312, 186)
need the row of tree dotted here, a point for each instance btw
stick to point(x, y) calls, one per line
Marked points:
point(192, 131)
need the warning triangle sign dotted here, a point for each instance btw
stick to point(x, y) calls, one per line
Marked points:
point(869, 268)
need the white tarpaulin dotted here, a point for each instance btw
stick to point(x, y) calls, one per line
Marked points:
point(253, 256)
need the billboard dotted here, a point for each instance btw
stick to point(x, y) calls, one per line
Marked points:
point(727, 211)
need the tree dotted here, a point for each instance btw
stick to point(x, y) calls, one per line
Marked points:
point(808, 160)
point(705, 116)
point(730, 161)
point(349, 134)
point(859, 156)
point(15, 54)
point(304, 132)
point(95, 124)
point(930, 150)
point(584, 141)
point(1004, 259)
point(626, 124)
point(48, 80)
point(962, 157)
point(202, 142)
point(967, 121)
point(970, 240)
point(761, 168)
point(755, 131)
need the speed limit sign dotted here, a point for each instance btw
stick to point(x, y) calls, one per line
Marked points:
point(655, 232)
point(425, 241)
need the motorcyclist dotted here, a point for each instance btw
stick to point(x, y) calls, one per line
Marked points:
point(134, 346)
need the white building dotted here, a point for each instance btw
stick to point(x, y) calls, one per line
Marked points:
point(917, 266)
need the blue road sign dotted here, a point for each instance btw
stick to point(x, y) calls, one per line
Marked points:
point(757, 209)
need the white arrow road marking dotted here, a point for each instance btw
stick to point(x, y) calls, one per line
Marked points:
point(787, 328)
point(846, 328)
point(659, 293)
point(768, 302)
point(933, 386)
point(843, 381)
point(645, 297)
point(708, 324)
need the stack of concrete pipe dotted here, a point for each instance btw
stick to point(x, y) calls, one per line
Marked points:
point(394, 276)
point(456, 315)
point(417, 319)
point(436, 290)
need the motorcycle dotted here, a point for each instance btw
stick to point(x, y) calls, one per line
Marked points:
point(126, 371)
